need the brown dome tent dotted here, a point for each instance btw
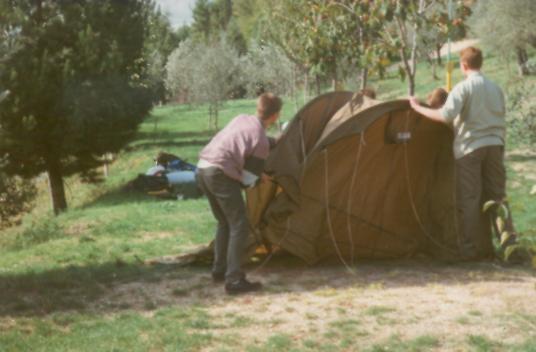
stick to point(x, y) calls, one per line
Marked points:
point(358, 178)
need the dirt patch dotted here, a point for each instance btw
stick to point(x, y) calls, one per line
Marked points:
point(150, 236)
point(375, 302)
point(79, 228)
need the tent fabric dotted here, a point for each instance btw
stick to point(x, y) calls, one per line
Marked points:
point(358, 178)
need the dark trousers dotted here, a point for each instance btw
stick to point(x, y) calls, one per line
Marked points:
point(480, 176)
point(225, 198)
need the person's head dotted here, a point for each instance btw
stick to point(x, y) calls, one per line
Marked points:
point(470, 60)
point(368, 92)
point(437, 98)
point(268, 108)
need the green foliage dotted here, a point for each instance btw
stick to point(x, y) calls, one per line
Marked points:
point(205, 74)
point(16, 197)
point(522, 117)
point(366, 34)
point(507, 27)
point(214, 19)
point(38, 232)
point(202, 26)
point(77, 83)
point(268, 68)
point(160, 41)
point(249, 18)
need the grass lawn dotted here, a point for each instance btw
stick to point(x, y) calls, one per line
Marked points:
point(78, 282)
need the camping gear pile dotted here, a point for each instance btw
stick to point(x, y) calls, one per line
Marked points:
point(170, 177)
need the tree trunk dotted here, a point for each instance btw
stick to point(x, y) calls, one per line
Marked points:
point(364, 78)
point(522, 59)
point(438, 54)
point(294, 90)
point(411, 84)
point(306, 87)
point(434, 70)
point(216, 108)
point(317, 82)
point(335, 81)
point(413, 60)
point(210, 117)
point(56, 187)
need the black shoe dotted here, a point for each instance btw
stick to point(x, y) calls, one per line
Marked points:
point(218, 277)
point(242, 286)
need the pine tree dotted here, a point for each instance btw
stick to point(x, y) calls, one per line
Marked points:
point(77, 86)
point(202, 23)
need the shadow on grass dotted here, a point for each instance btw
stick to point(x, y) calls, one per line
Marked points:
point(521, 157)
point(117, 286)
point(169, 135)
point(76, 288)
point(121, 195)
point(166, 144)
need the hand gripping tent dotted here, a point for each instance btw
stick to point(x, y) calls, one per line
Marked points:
point(358, 178)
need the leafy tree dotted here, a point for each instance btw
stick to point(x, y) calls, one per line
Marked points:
point(183, 33)
point(364, 23)
point(412, 18)
point(202, 23)
point(331, 38)
point(508, 27)
point(221, 14)
point(234, 37)
point(212, 19)
point(205, 74)
point(249, 17)
point(267, 68)
point(301, 29)
point(433, 37)
point(160, 41)
point(77, 83)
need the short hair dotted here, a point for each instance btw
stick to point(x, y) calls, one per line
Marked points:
point(472, 57)
point(267, 105)
point(437, 98)
point(368, 92)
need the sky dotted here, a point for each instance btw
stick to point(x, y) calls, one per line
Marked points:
point(179, 11)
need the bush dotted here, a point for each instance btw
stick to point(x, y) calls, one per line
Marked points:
point(521, 112)
point(39, 232)
point(16, 197)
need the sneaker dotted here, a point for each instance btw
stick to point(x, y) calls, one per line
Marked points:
point(242, 286)
point(218, 277)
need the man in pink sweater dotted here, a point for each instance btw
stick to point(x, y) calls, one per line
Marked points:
point(234, 159)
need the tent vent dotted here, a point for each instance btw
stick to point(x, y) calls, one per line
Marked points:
point(403, 137)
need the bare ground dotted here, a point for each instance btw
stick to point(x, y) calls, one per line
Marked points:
point(375, 302)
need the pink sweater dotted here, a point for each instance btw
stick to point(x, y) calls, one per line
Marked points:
point(242, 138)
